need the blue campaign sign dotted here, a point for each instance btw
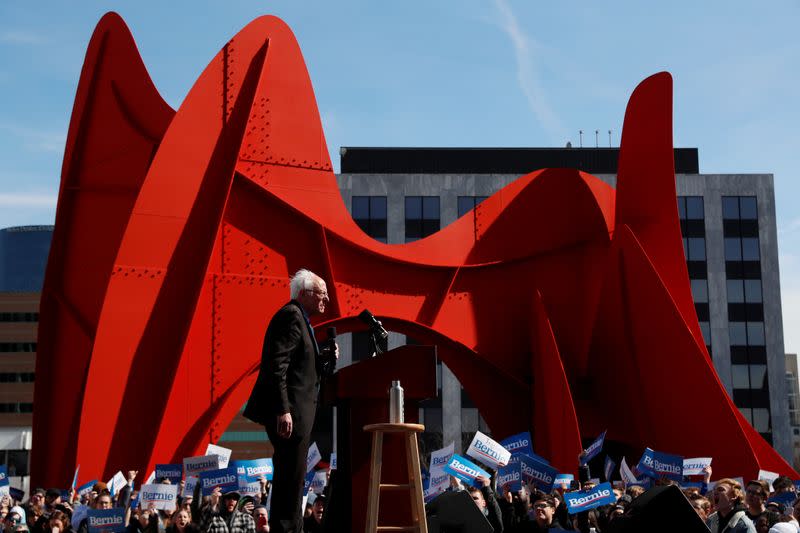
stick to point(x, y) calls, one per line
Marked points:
point(660, 465)
point(75, 477)
point(540, 474)
point(608, 468)
point(255, 468)
point(307, 482)
point(106, 520)
point(3, 475)
point(86, 487)
point(519, 443)
point(593, 449)
point(509, 477)
point(786, 498)
point(465, 470)
point(173, 472)
point(583, 500)
point(225, 478)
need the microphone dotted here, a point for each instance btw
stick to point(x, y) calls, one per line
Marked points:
point(331, 334)
point(373, 323)
point(328, 363)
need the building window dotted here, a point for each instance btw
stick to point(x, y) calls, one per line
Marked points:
point(17, 346)
point(16, 407)
point(468, 203)
point(369, 212)
point(19, 317)
point(14, 377)
point(422, 217)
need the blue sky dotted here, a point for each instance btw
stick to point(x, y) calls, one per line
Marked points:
point(467, 73)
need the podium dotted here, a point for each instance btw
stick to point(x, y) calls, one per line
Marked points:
point(360, 393)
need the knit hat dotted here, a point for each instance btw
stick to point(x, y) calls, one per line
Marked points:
point(20, 511)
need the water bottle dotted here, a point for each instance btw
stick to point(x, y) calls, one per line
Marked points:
point(396, 414)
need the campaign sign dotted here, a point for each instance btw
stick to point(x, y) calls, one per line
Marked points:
point(593, 449)
point(75, 478)
point(5, 488)
point(306, 483)
point(509, 477)
point(319, 481)
point(519, 443)
point(583, 500)
point(188, 486)
point(224, 454)
point(440, 458)
point(437, 483)
point(488, 451)
point(766, 475)
point(625, 472)
point(152, 477)
point(796, 485)
point(225, 478)
point(333, 461)
point(695, 465)
point(249, 488)
point(116, 483)
point(3, 474)
point(785, 498)
point(106, 520)
point(254, 469)
point(608, 468)
point(563, 480)
point(79, 513)
point(158, 495)
point(465, 470)
point(86, 488)
point(659, 465)
point(313, 457)
point(174, 473)
point(692, 485)
point(541, 475)
point(192, 466)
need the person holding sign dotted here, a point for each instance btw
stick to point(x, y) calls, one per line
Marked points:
point(225, 517)
point(485, 499)
point(284, 398)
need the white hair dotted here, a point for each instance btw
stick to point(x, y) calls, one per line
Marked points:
point(302, 279)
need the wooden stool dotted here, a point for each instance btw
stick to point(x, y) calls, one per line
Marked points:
point(414, 486)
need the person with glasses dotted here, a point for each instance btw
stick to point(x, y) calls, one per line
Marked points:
point(284, 397)
point(756, 493)
point(543, 514)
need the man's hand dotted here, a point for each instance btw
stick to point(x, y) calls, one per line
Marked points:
point(285, 425)
point(483, 480)
point(215, 497)
point(132, 475)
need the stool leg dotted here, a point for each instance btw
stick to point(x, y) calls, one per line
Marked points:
point(415, 480)
point(373, 497)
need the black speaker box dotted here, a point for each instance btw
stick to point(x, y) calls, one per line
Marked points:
point(660, 509)
point(455, 512)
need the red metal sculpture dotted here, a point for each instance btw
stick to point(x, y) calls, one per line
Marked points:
point(176, 233)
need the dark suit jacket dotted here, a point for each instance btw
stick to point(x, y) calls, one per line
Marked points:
point(287, 380)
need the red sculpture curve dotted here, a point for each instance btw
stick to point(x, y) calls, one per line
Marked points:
point(205, 212)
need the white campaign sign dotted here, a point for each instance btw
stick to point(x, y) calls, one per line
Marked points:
point(488, 451)
point(192, 466)
point(116, 482)
point(159, 495)
point(188, 485)
point(312, 458)
point(440, 458)
point(767, 476)
point(224, 454)
point(695, 465)
point(319, 482)
point(625, 472)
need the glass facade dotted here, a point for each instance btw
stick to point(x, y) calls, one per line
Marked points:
point(691, 212)
point(422, 216)
point(468, 203)
point(369, 212)
point(23, 257)
point(746, 311)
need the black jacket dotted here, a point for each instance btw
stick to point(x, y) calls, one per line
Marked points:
point(287, 379)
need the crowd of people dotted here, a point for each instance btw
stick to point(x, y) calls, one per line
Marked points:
point(724, 506)
point(47, 511)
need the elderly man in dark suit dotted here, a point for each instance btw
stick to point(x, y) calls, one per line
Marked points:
point(284, 398)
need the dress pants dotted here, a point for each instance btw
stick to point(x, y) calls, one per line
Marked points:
point(289, 464)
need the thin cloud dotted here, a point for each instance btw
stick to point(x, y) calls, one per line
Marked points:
point(36, 140)
point(21, 37)
point(526, 74)
point(30, 200)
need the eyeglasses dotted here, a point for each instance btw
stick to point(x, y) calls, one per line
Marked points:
point(319, 292)
point(541, 506)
